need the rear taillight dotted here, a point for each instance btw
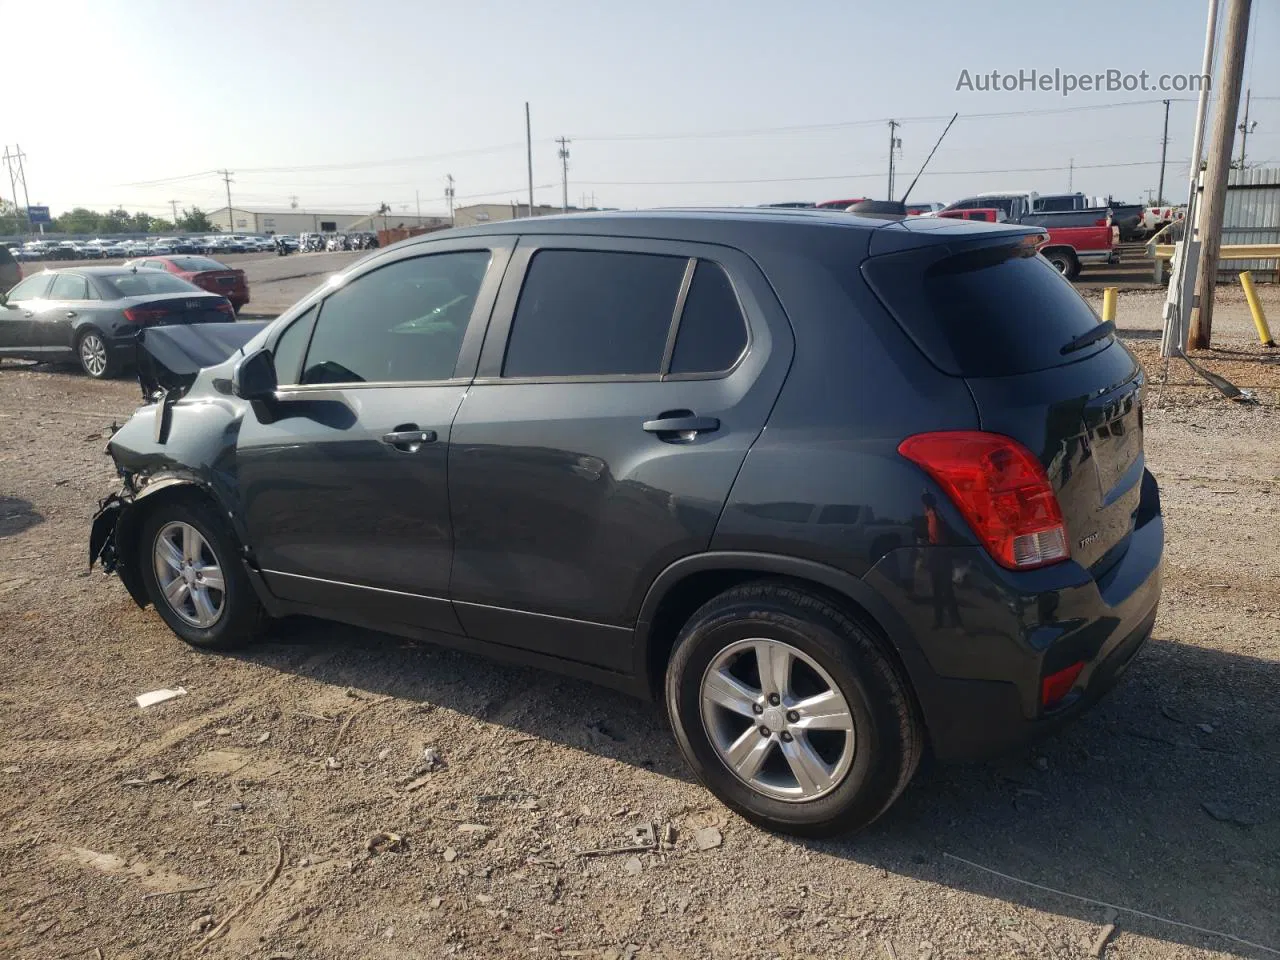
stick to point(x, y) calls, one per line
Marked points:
point(145, 315)
point(225, 307)
point(1002, 491)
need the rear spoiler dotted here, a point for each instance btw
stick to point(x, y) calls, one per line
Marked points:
point(170, 357)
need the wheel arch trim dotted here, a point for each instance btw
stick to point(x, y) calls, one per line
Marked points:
point(883, 618)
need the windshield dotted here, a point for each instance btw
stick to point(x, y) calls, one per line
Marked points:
point(146, 282)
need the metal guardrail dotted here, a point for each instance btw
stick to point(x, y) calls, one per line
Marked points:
point(1231, 251)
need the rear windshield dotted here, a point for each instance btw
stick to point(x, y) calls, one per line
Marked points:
point(196, 264)
point(992, 312)
point(146, 282)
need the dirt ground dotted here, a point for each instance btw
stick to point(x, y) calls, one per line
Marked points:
point(288, 791)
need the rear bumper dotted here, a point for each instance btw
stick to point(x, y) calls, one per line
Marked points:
point(979, 683)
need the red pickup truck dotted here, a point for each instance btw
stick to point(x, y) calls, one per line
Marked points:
point(1068, 248)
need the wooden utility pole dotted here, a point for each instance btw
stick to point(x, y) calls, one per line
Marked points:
point(1234, 36)
point(1164, 154)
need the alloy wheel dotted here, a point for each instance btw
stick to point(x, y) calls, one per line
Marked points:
point(777, 720)
point(93, 354)
point(189, 574)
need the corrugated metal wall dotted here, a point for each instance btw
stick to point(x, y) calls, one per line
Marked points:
point(1252, 216)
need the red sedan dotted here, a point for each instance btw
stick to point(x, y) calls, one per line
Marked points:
point(205, 272)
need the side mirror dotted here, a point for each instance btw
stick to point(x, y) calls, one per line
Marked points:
point(254, 377)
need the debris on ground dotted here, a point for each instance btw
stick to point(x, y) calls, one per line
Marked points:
point(153, 697)
point(449, 854)
point(201, 923)
point(384, 842)
point(633, 865)
point(669, 834)
point(708, 838)
point(431, 761)
point(645, 835)
point(149, 779)
point(332, 763)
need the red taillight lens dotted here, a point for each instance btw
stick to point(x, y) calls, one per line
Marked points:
point(1002, 491)
point(225, 307)
point(144, 315)
point(1056, 686)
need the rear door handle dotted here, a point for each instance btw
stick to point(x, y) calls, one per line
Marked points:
point(681, 427)
point(409, 441)
point(71, 314)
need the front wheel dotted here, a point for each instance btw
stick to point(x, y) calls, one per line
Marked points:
point(95, 359)
point(789, 711)
point(193, 575)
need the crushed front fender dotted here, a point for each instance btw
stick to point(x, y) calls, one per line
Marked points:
point(102, 534)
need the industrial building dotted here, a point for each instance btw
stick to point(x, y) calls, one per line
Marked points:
point(290, 220)
point(489, 212)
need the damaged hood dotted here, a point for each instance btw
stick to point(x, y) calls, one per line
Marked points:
point(170, 357)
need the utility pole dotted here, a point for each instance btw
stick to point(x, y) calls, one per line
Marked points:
point(293, 201)
point(231, 217)
point(564, 174)
point(174, 204)
point(528, 143)
point(894, 143)
point(1071, 173)
point(418, 200)
point(1164, 152)
point(1245, 128)
point(1235, 36)
point(9, 160)
point(448, 195)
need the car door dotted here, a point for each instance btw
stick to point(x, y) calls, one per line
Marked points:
point(18, 314)
point(343, 480)
point(52, 329)
point(621, 384)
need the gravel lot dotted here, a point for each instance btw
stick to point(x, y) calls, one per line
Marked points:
point(1165, 799)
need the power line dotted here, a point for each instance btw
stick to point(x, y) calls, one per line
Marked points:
point(863, 176)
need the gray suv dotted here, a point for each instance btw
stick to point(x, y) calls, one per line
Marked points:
point(834, 490)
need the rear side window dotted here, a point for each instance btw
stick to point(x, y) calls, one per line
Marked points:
point(593, 313)
point(68, 286)
point(713, 332)
point(992, 312)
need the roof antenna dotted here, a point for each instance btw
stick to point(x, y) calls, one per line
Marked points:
point(930, 156)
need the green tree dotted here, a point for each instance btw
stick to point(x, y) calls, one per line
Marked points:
point(161, 226)
point(78, 220)
point(115, 221)
point(195, 220)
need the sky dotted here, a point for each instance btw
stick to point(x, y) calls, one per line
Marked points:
point(341, 106)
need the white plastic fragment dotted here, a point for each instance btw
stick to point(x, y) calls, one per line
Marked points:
point(159, 696)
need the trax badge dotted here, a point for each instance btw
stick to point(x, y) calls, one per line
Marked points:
point(1085, 541)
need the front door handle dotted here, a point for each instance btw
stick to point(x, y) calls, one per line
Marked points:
point(408, 439)
point(680, 426)
point(71, 314)
point(27, 313)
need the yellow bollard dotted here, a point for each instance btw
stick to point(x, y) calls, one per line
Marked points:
point(1255, 307)
point(1109, 304)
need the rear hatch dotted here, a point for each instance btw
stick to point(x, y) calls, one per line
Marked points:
point(984, 307)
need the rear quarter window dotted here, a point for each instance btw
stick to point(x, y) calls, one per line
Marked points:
point(990, 312)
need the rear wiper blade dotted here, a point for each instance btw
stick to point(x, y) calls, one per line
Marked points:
point(1104, 329)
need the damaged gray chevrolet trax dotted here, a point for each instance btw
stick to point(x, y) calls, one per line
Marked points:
point(836, 490)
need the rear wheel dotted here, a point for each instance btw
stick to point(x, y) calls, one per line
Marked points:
point(1065, 262)
point(192, 573)
point(95, 359)
point(789, 711)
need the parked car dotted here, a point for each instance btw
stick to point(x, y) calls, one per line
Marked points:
point(1028, 208)
point(839, 204)
point(10, 269)
point(185, 245)
point(203, 272)
point(826, 486)
point(1066, 248)
point(93, 314)
point(116, 249)
point(91, 250)
point(924, 208)
point(1156, 218)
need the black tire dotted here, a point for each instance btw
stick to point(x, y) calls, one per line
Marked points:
point(241, 616)
point(1065, 262)
point(95, 361)
point(888, 736)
